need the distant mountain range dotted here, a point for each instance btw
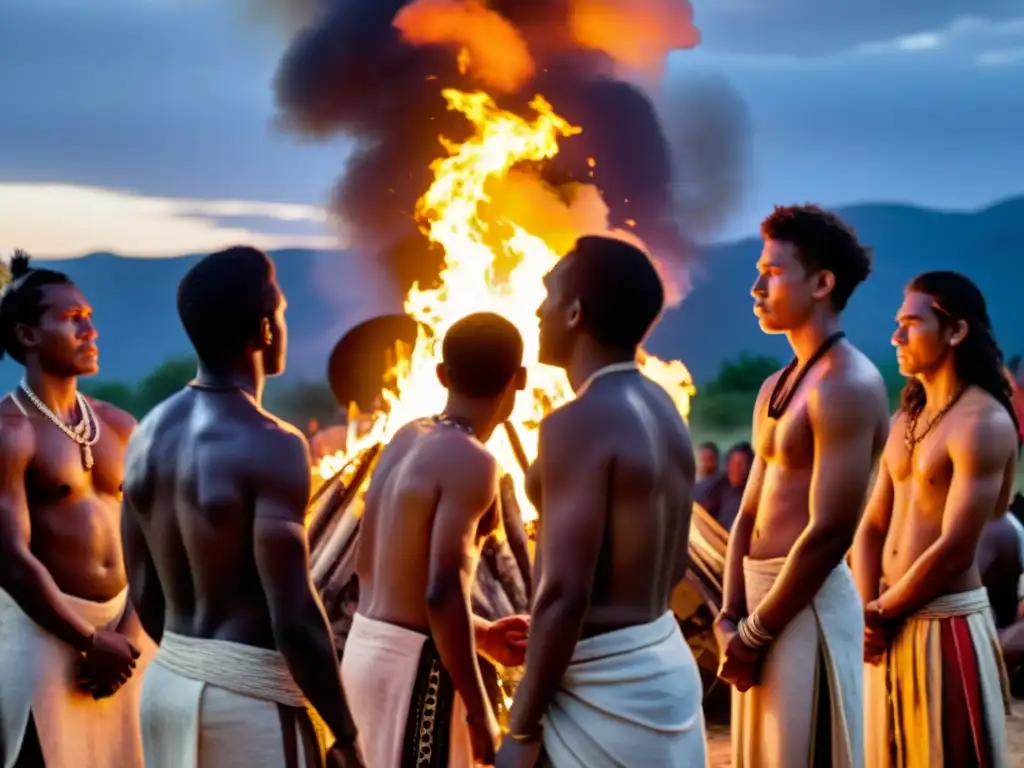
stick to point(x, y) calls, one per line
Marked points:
point(134, 298)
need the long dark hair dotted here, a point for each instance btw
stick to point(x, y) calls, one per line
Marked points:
point(978, 360)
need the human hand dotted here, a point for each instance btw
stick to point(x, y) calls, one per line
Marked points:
point(344, 755)
point(106, 664)
point(519, 754)
point(484, 736)
point(504, 641)
point(876, 642)
point(740, 664)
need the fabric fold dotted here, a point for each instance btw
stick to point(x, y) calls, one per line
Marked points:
point(629, 697)
point(38, 680)
point(219, 704)
point(941, 695)
point(807, 707)
point(405, 707)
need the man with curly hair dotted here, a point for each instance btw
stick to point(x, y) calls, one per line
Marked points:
point(791, 622)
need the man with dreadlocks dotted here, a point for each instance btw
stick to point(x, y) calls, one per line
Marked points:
point(70, 642)
point(935, 685)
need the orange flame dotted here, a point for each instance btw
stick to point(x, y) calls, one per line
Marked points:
point(493, 263)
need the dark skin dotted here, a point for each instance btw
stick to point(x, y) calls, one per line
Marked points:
point(812, 466)
point(60, 524)
point(215, 541)
point(430, 506)
point(920, 534)
point(1000, 566)
point(618, 458)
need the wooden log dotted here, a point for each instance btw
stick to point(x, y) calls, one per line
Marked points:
point(515, 533)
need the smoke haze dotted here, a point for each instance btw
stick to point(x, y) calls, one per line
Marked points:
point(374, 71)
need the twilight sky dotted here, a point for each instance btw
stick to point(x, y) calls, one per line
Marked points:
point(145, 126)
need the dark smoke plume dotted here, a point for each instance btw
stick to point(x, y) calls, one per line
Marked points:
point(374, 70)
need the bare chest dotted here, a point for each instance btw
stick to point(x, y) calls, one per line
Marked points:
point(787, 441)
point(921, 473)
point(59, 467)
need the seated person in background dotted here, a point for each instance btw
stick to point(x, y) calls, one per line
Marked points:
point(1000, 563)
point(707, 463)
point(722, 498)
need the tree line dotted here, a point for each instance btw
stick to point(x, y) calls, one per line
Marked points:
point(725, 403)
point(297, 402)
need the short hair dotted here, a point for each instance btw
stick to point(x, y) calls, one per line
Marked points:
point(823, 241)
point(709, 446)
point(742, 447)
point(22, 301)
point(620, 292)
point(223, 299)
point(482, 353)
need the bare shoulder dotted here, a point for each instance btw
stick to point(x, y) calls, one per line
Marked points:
point(984, 434)
point(765, 392)
point(851, 390)
point(464, 465)
point(120, 421)
point(17, 435)
point(276, 447)
point(576, 423)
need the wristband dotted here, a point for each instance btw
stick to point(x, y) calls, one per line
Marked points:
point(752, 633)
point(527, 738)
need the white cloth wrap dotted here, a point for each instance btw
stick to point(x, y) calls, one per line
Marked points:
point(629, 697)
point(215, 704)
point(773, 723)
point(37, 680)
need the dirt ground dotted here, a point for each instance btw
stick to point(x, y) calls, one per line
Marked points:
point(718, 740)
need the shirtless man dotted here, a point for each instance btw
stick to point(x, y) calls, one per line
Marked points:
point(64, 613)
point(933, 692)
point(609, 678)
point(791, 618)
point(215, 494)
point(410, 666)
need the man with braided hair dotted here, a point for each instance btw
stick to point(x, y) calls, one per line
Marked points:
point(935, 687)
point(70, 642)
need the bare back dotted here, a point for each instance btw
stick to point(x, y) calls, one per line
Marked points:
point(421, 464)
point(633, 451)
point(193, 473)
point(929, 489)
point(780, 481)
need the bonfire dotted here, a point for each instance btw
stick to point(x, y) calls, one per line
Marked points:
point(492, 262)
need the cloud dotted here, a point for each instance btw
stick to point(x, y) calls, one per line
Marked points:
point(969, 37)
point(61, 220)
point(809, 28)
point(962, 41)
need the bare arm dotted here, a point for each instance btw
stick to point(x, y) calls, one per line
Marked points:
point(866, 559)
point(843, 420)
point(301, 630)
point(468, 490)
point(144, 589)
point(734, 598)
point(981, 453)
point(574, 473)
point(22, 576)
point(143, 582)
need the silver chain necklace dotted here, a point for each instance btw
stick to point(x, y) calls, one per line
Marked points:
point(608, 369)
point(85, 433)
